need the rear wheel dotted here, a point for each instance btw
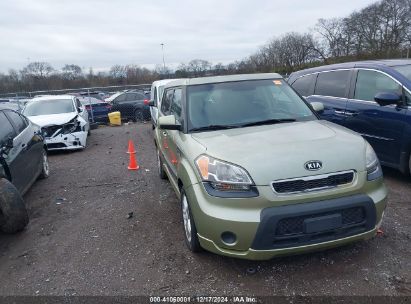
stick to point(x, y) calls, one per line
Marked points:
point(13, 213)
point(138, 116)
point(190, 230)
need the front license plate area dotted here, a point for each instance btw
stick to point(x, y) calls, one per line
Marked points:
point(322, 223)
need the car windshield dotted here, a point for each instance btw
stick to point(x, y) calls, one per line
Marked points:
point(244, 103)
point(404, 70)
point(49, 107)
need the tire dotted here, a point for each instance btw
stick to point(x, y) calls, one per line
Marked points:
point(13, 213)
point(190, 230)
point(45, 170)
point(138, 116)
point(160, 166)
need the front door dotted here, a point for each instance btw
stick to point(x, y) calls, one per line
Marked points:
point(381, 126)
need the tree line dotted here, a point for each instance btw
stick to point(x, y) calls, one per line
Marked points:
point(380, 30)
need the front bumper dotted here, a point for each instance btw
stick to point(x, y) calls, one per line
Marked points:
point(72, 141)
point(256, 221)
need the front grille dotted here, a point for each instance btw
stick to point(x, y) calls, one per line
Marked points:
point(295, 225)
point(312, 183)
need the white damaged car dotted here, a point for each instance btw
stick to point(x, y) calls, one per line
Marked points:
point(63, 120)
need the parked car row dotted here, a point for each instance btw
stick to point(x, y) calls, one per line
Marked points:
point(46, 123)
point(258, 174)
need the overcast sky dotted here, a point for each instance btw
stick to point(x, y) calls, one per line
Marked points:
point(107, 32)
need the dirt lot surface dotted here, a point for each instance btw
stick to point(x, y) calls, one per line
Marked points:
point(80, 240)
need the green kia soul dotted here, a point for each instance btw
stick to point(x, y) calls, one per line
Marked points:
point(258, 174)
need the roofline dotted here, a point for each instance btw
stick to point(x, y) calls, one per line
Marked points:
point(220, 79)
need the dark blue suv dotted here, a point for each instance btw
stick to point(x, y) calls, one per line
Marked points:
point(372, 98)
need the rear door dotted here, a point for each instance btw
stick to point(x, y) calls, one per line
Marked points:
point(382, 126)
point(331, 89)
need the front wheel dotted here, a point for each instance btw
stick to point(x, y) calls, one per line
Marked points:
point(190, 230)
point(13, 213)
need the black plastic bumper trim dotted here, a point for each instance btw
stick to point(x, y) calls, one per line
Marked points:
point(267, 238)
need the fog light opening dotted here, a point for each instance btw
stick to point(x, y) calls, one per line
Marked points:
point(229, 238)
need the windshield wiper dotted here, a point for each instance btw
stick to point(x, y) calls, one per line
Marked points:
point(268, 122)
point(214, 127)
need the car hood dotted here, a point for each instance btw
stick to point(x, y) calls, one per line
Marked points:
point(54, 119)
point(280, 151)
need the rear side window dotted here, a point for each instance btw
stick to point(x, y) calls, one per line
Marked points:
point(369, 83)
point(304, 85)
point(176, 104)
point(6, 129)
point(17, 120)
point(332, 83)
point(165, 104)
point(122, 97)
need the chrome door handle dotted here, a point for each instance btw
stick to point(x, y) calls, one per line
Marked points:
point(340, 112)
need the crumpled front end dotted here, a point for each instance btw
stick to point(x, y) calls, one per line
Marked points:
point(69, 136)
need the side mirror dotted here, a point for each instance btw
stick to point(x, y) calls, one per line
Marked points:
point(317, 106)
point(386, 98)
point(169, 123)
point(79, 109)
point(151, 103)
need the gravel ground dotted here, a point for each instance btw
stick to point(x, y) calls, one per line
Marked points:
point(82, 241)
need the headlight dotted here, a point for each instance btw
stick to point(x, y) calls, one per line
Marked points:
point(223, 176)
point(372, 164)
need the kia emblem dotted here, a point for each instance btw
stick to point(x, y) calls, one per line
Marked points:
point(313, 165)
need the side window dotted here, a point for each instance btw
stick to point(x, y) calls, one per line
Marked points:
point(332, 83)
point(6, 129)
point(304, 85)
point(153, 96)
point(407, 98)
point(131, 96)
point(19, 123)
point(78, 103)
point(165, 104)
point(140, 96)
point(176, 104)
point(369, 83)
point(120, 98)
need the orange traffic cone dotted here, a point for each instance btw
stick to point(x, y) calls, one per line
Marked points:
point(133, 162)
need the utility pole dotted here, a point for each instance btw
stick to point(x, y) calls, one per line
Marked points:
point(164, 62)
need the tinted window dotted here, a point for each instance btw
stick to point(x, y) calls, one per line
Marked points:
point(18, 121)
point(6, 129)
point(332, 83)
point(408, 98)
point(78, 103)
point(176, 104)
point(404, 70)
point(369, 83)
point(122, 97)
point(140, 96)
point(131, 96)
point(154, 96)
point(303, 85)
point(167, 98)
